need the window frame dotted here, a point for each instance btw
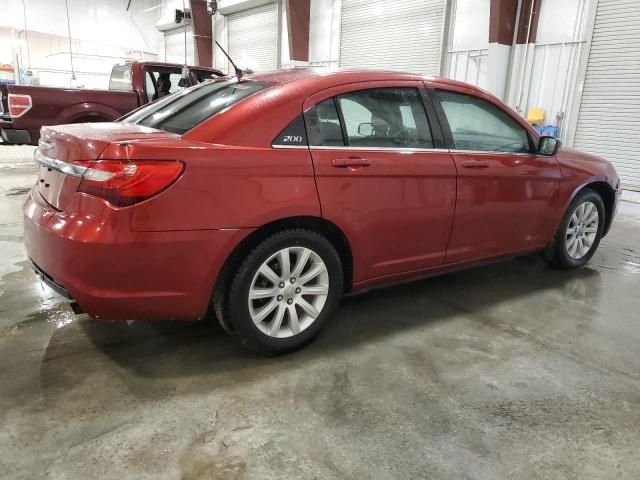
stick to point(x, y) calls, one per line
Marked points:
point(433, 121)
point(446, 128)
point(343, 125)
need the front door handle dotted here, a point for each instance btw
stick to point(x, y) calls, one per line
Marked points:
point(350, 162)
point(475, 164)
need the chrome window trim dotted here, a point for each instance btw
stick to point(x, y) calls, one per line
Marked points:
point(379, 149)
point(489, 152)
point(291, 147)
point(386, 149)
point(59, 165)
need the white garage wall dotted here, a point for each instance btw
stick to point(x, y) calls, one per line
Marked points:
point(103, 33)
point(468, 44)
point(551, 72)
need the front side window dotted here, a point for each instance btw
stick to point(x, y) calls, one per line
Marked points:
point(385, 118)
point(184, 110)
point(478, 125)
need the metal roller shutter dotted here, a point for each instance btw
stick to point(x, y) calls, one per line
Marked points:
point(402, 35)
point(609, 118)
point(174, 45)
point(253, 38)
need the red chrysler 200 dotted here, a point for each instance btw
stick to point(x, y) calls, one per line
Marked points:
point(265, 198)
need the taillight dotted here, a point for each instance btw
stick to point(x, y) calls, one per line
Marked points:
point(126, 183)
point(18, 104)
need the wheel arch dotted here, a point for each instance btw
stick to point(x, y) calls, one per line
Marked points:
point(90, 118)
point(316, 224)
point(608, 197)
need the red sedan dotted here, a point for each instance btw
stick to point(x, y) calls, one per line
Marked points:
point(266, 198)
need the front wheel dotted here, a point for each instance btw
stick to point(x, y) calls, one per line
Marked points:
point(580, 232)
point(284, 291)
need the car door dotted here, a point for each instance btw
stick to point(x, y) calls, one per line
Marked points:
point(505, 189)
point(380, 177)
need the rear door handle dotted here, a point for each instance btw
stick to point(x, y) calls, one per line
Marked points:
point(350, 162)
point(475, 164)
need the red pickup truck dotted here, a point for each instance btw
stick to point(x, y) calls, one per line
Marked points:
point(24, 109)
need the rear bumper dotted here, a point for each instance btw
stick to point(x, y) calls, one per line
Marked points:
point(11, 135)
point(111, 272)
point(50, 282)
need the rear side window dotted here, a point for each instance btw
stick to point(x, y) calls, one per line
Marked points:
point(182, 111)
point(385, 118)
point(323, 125)
point(478, 125)
point(121, 78)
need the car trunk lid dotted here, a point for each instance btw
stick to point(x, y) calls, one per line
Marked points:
point(63, 151)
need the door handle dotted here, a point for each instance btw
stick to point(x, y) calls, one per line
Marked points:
point(350, 162)
point(475, 164)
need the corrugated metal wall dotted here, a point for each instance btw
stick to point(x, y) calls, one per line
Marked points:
point(404, 35)
point(469, 66)
point(609, 118)
point(253, 38)
point(174, 45)
point(552, 79)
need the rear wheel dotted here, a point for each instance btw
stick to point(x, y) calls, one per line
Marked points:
point(579, 234)
point(283, 292)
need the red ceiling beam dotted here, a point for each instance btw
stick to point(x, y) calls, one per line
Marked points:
point(298, 17)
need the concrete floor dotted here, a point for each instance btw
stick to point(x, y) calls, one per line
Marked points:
point(507, 371)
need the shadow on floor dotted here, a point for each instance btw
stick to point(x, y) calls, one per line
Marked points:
point(181, 349)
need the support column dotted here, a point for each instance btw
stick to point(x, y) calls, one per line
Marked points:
point(298, 19)
point(202, 33)
point(502, 26)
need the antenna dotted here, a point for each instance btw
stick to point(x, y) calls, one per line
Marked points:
point(239, 71)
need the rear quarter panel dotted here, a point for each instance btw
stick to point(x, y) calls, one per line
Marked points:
point(224, 187)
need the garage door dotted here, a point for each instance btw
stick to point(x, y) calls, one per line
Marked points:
point(253, 38)
point(609, 119)
point(174, 45)
point(401, 35)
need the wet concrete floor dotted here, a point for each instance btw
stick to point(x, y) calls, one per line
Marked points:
point(506, 371)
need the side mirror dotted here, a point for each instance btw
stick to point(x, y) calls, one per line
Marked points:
point(548, 146)
point(184, 82)
point(365, 129)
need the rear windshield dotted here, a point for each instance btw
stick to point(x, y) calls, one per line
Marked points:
point(184, 110)
point(121, 78)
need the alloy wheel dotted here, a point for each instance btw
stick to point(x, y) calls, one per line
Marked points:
point(288, 292)
point(582, 230)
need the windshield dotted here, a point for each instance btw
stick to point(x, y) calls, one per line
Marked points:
point(184, 110)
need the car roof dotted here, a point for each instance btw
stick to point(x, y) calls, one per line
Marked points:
point(323, 78)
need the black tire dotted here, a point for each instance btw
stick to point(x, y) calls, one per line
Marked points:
point(558, 255)
point(232, 305)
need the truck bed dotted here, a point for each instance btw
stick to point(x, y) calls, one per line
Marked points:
point(54, 106)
